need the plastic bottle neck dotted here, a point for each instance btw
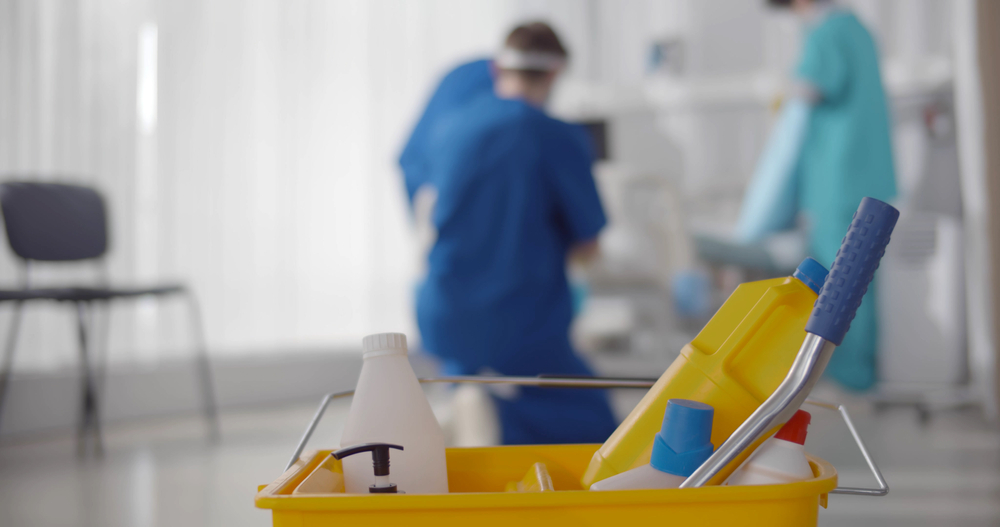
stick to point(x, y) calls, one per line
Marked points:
point(781, 443)
point(382, 353)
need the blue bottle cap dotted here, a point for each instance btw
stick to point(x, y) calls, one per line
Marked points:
point(812, 273)
point(685, 440)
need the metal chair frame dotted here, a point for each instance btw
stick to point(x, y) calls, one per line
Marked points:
point(85, 301)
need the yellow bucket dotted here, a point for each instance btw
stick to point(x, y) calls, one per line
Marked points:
point(478, 478)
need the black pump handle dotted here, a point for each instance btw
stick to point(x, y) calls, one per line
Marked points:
point(380, 455)
point(364, 447)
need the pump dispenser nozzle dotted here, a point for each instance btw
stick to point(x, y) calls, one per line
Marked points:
point(380, 462)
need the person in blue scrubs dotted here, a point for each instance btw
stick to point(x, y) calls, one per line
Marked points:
point(515, 200)
point(830, 148)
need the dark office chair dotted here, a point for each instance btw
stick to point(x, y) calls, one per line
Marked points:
point(49, 222)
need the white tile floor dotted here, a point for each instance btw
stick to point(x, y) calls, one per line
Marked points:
point(164, 473)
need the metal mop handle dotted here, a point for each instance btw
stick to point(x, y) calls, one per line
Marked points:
point(853, 269)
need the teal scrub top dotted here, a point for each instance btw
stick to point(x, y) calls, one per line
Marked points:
point(847, 153)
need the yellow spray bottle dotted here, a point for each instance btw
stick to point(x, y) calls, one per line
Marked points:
point(734, 364)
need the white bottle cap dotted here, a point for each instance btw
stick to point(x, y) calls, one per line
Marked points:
point(383, 344)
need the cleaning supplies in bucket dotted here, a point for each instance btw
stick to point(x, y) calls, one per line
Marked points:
point(681, 445)
point(390, 407)
point(781, 459)
point(733, 364)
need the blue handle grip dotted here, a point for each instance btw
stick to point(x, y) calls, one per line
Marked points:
point(853, 269)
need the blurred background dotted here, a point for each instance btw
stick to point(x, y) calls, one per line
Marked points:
point(247, 149)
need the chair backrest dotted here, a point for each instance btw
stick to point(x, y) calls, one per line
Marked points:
point(54, 222)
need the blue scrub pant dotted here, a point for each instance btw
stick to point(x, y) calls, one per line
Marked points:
point(536, 416)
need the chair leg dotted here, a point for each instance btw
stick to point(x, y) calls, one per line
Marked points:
point(101, 328)
point(204, 367)
point(89, 415)
point(8, 354)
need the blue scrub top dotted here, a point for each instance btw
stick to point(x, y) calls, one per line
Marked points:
point(515, 192)
point(458, 87)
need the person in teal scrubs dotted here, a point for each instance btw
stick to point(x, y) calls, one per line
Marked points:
point(830, 148)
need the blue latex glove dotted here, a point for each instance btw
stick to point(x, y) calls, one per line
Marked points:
point(579, 291)
point(770, 204)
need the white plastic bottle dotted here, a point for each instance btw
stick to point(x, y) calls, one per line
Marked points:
point(390, 407)
point(781, 459)
point(681, 446)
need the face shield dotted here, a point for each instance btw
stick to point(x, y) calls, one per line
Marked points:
point(516, 59)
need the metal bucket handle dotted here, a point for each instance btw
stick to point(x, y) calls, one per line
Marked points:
point(883, 487)
point(597, 382)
